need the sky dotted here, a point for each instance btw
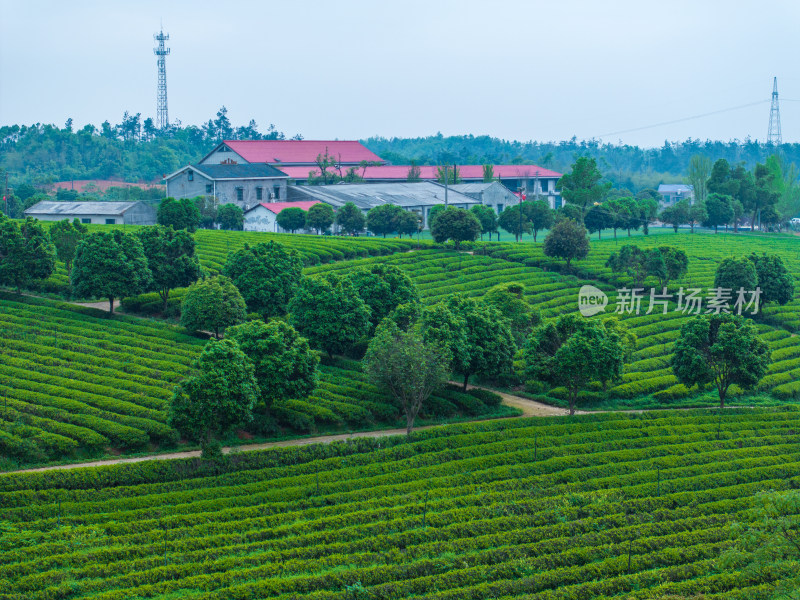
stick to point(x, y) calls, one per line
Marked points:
point(537, 70)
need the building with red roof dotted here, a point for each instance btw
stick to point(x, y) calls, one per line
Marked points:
point(282, 153)
point(263, 216)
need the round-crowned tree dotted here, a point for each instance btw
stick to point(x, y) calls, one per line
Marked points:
point(568, 239)
point(212, 305)
point(456, 224)
point(735, 274)
point(267, 275)
point(351, 219)
point(291, 219)
point(320, 217)
point(774, 279)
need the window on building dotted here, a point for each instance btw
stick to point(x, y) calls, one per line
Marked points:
point(277, 191)
point(259, 193)
point(500, 208)
point(190, 175)
point(86, 220)
point(209, 188)
point(111, 221)
point(545, 186)
point(240, 194)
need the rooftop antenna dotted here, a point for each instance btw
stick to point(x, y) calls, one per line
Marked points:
point(162, 118)
point(774, 134)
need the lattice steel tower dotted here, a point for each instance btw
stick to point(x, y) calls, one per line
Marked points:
point(162, 118)
point(774, 134)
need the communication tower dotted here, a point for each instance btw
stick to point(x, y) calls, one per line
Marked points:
point(162, 118)
point(774, 133)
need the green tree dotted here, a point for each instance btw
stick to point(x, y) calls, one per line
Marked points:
point(631, 260)
point(572, 352)
point(26, 252)
point(207, 207)
point(647, 210)
point(434, 212)
point(697, 176)
point(718, 210)
point(675, 264)
point(764, 195)
point(735, 274)
point(697, 214)
point(285, 366)
point(476, 335)
point(722, 350)
point(774, 279)
point(414, 173)
point(509, 299)
point(219, 398)
point(267, 275)
point(620, 213)
point(383, 288)
point(110, 265)
point(568, 240)
point(170, 257)
point(456, 224)
point(65, 236)
point(351, 219)
point(408, 222)
point(539, 215)
point(330, 313)
point(677, 214)
point(449, 172)
point(320, 217)
point(582, 185)
point(230, 217)
point(598, 218)
point(179, 214)
point(405, 366)
point(486, 217)
point(488, 173)
point(212, 305)
point(383, 219)
point(514, 221)
point(291, 219)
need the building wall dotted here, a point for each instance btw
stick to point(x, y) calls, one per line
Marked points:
point(96, 219)
point(220, 157)
point(265, 221)
point(140, 214)
point(180, 187)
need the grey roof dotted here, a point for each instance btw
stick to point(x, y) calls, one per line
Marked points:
point(477, 189)
point(369, 195)
point(246, 171)
point(671, 188)
point(79, 208)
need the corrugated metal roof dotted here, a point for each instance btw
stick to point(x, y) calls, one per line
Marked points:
point(667, 188)
point(277, 207)
point(369, 195)
point(300, 151)
point(79, 208)
point(247, 171)
point(429, 172)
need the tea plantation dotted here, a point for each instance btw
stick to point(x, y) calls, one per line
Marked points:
point(74, 382)
point(599, 506)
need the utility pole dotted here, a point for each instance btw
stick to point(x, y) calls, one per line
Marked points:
point(446, 177)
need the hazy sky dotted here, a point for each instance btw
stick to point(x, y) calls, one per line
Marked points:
point(351, 69)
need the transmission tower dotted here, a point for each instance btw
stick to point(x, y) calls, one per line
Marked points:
point(162, 118)
point(774, 134)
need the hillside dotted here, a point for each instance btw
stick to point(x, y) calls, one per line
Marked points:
point(633, 506)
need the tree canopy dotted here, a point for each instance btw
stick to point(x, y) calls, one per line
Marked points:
point(110, 265)
point(291, 219)
point(736, 273)
point(383, 219)
point(180, 213)
point(26, 252)
point(218, 398)
point(170, 257)
point(539, 215)
point(267, 275)
point(572, 352)
point(230, 217)
point(567, 239)
point(407, 367)
point(774, 279)
point(212, 304)
point(582, 185)
point(320, 217)
point(383, 288)
point(351, 219)
point(722, 350)
point(455, 224)
point(486, 217)
point(330, 313)
point(65, 236)
point(509, 300)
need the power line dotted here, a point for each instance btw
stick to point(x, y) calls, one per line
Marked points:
point(700, 116)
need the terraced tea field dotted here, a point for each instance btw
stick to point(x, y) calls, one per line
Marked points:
point(440, 273)
point(74, 383)
point(599, 506)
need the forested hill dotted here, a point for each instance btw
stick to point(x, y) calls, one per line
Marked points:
point(135, 151)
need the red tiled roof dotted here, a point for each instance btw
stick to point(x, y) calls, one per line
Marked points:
point(300, 151)
point(277, 207)
point(400, 172)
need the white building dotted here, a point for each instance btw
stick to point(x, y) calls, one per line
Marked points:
point(671, 193)
point(104, 213)
point(263, 216)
